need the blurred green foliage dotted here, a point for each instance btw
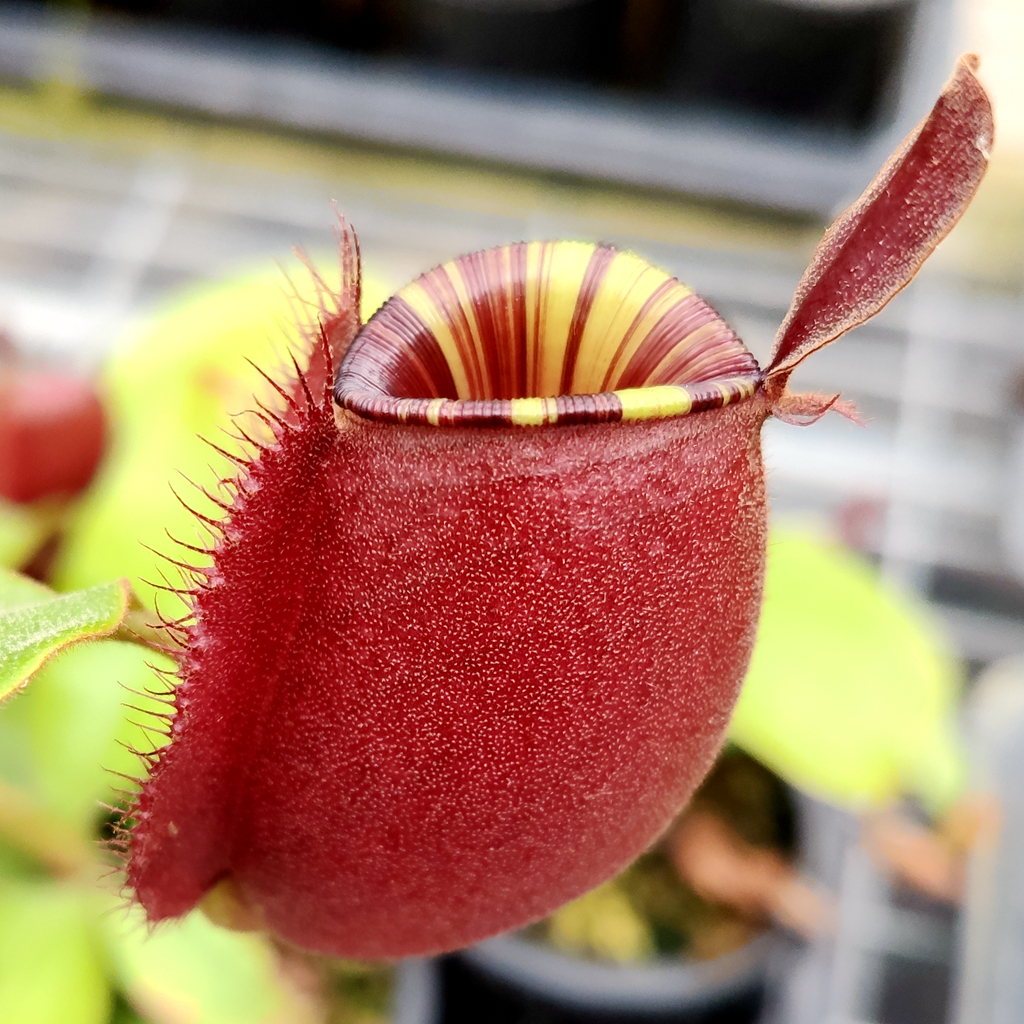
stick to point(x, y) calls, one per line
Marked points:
point(51, 957)
point(852, 694)
point(194, 971)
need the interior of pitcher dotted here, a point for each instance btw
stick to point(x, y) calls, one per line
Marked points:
point(543, 332)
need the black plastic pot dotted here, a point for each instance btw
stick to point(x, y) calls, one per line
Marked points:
point(511, 981)
point(824, 63)
point(573, 39)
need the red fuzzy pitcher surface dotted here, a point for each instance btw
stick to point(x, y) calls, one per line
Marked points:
point(479, 613)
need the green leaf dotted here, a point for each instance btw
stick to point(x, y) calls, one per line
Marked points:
point(35, 624)
point(51, 964)
point(851, 694)
point(192, 972)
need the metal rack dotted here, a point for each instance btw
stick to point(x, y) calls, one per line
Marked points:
point(576, 130)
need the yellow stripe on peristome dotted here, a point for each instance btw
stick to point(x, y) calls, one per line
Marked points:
point(511, 360)
point(651, 280)
point(654, 402)
point(458, 282)
point(558, 294)
point(434, 411)
point(534, 412)
point(628, 283)
point(612, 310)
point(737, 388)
point(536, 257)
point(423, 305)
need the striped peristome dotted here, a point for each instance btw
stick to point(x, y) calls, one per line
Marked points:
point(543, 332)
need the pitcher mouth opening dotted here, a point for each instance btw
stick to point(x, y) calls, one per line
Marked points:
point(541, 333)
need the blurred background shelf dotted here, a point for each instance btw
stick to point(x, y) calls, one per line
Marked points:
point(696, 130)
